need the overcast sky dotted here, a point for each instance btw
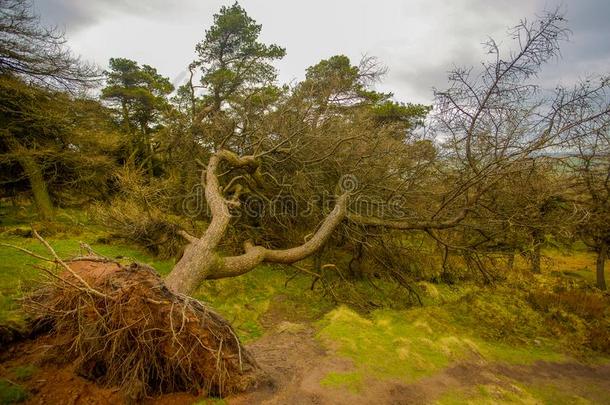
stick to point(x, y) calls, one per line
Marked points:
point(418, 40)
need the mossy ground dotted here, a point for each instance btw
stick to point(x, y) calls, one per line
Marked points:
point(351, 381)
point(416, 343)
point(11, 390)
point(527, 394)
point(456, 323)
point(266, 291)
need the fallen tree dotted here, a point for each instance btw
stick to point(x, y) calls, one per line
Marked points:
point(202, 260)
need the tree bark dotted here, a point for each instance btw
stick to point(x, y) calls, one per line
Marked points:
point(201, 261)
point(199, 257)
point(39, 187)
point(602, 254)
point(255, 255)
point(33, 171)
point(536, 258)
point(536, 255)
point(355, 264)
point(317, 261)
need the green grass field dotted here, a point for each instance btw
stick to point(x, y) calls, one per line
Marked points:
point(498, 324)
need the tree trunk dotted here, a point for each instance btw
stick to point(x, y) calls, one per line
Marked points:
point(602, 253)
point(355, 264)
point(538, 238)
point(200, 260)
point(33, 171)
point(536, 258)
point(317, 261)
point(148, 151)
point(199, 256)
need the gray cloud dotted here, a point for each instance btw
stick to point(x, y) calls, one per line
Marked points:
point(75, 15)
point(418, 40)
point(66, 13)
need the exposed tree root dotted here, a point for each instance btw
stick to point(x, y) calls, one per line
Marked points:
point(122, 327)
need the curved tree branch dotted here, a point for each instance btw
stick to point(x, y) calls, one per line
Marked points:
point(255, 255)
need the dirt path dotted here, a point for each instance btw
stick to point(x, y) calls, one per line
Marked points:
point(297, 363)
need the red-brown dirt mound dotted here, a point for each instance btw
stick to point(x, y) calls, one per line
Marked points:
point(121, 327)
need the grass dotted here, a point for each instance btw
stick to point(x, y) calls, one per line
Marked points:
point(391, 344)
point(242, 300)
point(350, 381)
point(509, 392)
point(211, 401)
point(497, 324)
point(416, 343)
point(466, 322)
point(245, 300)
point(577, 263)
point(25, 372)
point(72, 226)
point(552, 394)
point(11, 393)
point(457, 322)
point(486, 395)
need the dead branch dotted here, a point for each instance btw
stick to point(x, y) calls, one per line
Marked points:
point(63, 264)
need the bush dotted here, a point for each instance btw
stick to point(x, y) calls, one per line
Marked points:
point(582, 314)
point(587, 305)
point(149, 228)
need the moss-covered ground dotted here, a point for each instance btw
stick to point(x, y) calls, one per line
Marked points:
point(519, 321)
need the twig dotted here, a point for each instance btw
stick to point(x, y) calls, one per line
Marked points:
point(88, 249)
point(65, 266)
point(29, 252)
point(100, 259)
point(187, 236)
point(238, 347)
point(53, 275)
point(304, 270)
